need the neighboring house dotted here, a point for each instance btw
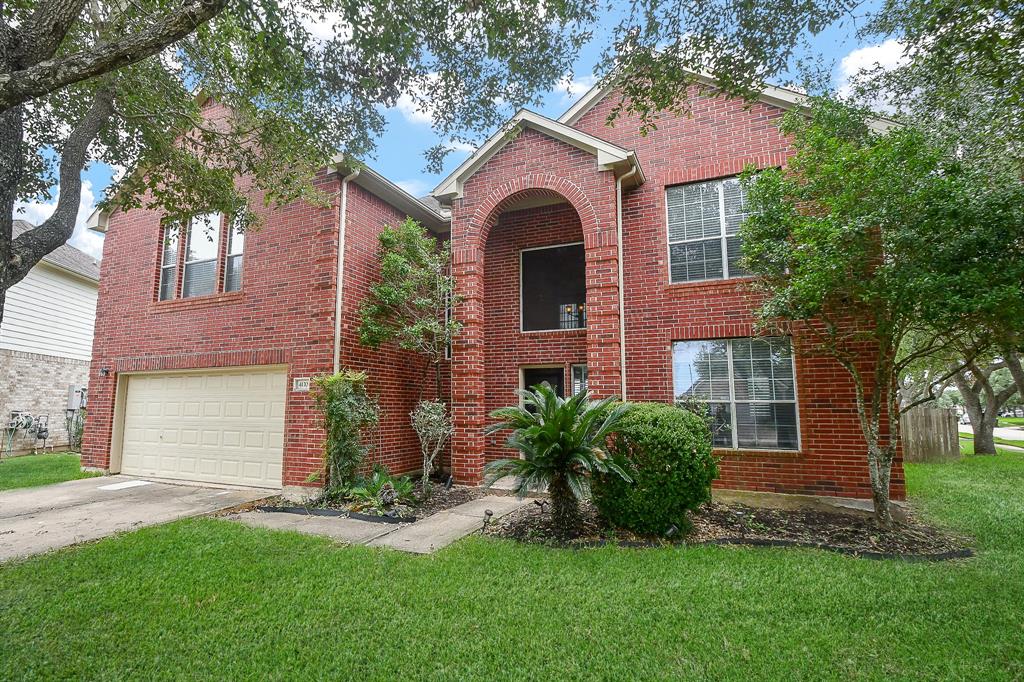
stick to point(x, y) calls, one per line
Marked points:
point(584, 255)
point(46, 339)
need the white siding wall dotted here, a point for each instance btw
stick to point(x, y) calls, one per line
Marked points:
point(50, 312)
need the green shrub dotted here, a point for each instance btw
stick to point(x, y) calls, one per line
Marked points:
point(668, 450)
point(348, 414)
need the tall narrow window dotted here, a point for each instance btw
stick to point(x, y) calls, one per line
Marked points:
point(554, 289)
point(579, 379)
point(169, 263)
point(749, 387)
point(200, 276)
point(233, 262)
point(703, 230)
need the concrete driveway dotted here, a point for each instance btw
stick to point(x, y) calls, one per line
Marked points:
point(37, 520)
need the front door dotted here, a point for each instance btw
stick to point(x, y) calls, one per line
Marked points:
point(554, 376)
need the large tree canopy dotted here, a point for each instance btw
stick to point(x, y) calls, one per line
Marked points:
point(85, 81)
point(113, 81)
point(868, 240)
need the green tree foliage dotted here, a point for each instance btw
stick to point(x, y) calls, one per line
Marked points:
point(115, 82)
point(407, 304)
point(668, 452)
point(349, 412)
point(868, 238)
point(563, 442)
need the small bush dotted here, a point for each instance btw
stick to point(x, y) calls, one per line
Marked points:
point(348, 414)
point(668, 451)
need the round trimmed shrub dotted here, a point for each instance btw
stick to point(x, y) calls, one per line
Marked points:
point(667, 452)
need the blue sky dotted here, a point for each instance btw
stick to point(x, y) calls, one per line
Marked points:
point(399, 154)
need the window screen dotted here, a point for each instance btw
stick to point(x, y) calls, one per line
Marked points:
point(200, 277)
point(749, 387)
point(554, 289)
point(703, 224)
point(169, 263)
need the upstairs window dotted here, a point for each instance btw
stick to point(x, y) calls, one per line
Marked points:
point(200, 277)
point(233, 262)
point(210, 263)
point(169, 263)
point(703, 224)
point(553, 285)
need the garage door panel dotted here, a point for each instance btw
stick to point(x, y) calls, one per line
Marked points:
point(219, 427)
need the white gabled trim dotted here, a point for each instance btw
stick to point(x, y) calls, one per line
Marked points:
point(98, 220)
point(783, 98)
point(609, 156)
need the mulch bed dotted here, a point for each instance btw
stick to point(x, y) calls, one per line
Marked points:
point(440, 499)
point(737, 524)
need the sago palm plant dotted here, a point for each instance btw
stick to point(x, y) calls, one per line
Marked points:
point(563, 442)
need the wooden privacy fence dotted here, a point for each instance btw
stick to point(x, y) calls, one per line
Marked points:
point(929, 434)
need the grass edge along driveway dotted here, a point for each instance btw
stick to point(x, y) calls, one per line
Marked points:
point(208, 599)
point(27, 471)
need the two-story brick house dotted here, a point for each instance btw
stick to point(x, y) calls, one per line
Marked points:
point(584, 255)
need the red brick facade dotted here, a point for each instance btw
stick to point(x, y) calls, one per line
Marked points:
point(535, 191)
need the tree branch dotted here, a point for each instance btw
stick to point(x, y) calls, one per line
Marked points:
point(32, 245)
point(45, 29)
point(39, 79)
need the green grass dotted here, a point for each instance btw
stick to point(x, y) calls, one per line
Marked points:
point(1011, 421)
point(998, 441)
point(208, 599)
point(33, 470)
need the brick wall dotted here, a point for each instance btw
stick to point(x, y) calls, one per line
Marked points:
point(718, 140)
point(38, 384)
point(283, 315)
point(398, 379)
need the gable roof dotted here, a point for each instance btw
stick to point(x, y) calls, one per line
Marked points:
point(609, 156)
point(426, 210)
point(783, 98)
point(428, 213)
point(65, 256)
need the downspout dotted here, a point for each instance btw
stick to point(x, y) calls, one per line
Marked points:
point(342, 219)
point(622, 295)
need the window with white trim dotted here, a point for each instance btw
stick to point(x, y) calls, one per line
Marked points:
point(749, 386)
point(201, 256)
point(703, 224)
point(579, 379)
point(169, 263)
point(233, 260)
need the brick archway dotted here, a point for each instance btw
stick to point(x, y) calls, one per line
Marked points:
point(471, 227)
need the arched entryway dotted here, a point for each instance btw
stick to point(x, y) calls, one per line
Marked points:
point(535, 267)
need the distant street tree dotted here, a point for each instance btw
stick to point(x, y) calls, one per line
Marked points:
point(867, 238)
point(986, 387)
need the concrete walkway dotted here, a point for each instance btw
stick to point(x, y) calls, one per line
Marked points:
point(44, 518)
point(425, 536)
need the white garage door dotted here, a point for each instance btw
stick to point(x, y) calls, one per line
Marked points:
point(217, 427)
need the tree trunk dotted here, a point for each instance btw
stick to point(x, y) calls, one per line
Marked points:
point(565, 508)
point(880, 471)
point(984, 437)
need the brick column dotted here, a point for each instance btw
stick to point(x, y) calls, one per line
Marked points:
point(468, 411)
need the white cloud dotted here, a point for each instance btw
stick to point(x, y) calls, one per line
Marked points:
point(462, 146)
point(36, 212)
point(863, 60)
point(414, 186)
point(572, 87)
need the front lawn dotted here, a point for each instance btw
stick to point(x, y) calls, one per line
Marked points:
point(32, 470)
point(1011, 421)
point(211, 599)
point(966, 436)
